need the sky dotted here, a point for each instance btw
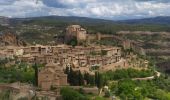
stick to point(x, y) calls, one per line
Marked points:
point(104, 9)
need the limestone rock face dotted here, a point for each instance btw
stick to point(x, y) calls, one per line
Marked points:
point(10, 39)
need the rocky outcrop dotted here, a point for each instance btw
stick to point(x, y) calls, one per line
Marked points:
point(10, 39)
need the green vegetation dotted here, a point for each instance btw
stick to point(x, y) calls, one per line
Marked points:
point(14, 74)
point(111, 28)
point(4, 61)
point(122, 86)
point(139, 90)
point(125, 89)
point(100, 79)
point(35, 67)
point(36, 36)
point(109, 42)
point(127, 73)
point(99, 98)
point(20, 72)
point(76, 78)
point(70, 94)
point(46, 22)
point(73, 42)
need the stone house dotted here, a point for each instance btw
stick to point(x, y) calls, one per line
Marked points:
point(35, 50)
point(26, 58)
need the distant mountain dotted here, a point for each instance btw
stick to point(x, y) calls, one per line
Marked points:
point(85, 20)
point(63, 19)
point(155, 20)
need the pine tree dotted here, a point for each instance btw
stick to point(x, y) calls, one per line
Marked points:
point(67, 70)
point(35, 67)
point(71, 76)
point(81, 80)
point(96, 78)
point(86, 77)
point(99, 80)
point(92, 80)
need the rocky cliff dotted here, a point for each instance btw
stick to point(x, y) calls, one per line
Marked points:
point(10, 39)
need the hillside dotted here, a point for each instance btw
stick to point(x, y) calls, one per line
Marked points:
point(101, 25)
point(42, 29)
point(105, 26)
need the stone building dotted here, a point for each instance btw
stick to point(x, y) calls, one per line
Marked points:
point(68, 56)
point(51, 75)
point(75, 31)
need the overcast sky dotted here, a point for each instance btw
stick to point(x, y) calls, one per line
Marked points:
point(105, 9)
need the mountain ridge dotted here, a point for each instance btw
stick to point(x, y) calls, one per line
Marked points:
point(153, 20)
point(164, 20)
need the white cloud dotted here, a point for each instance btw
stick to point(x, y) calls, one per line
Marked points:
point(109, 9)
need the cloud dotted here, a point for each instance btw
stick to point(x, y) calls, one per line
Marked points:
point(23, 8)
point(6, 2)
point(107, 9)
point(156, 1)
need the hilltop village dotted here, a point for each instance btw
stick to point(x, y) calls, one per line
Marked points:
point(85, 57)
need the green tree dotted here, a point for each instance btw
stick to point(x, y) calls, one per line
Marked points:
point(92, 80)
point(99, 80)
point(35, 67)
point(80, 78)
point(96, 77)
point(70, 94)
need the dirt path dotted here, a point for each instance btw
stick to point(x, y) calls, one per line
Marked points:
point(158, 74)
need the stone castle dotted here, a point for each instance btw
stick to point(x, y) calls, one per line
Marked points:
point(82, 37)
point(76, 31)
point(80, 34)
